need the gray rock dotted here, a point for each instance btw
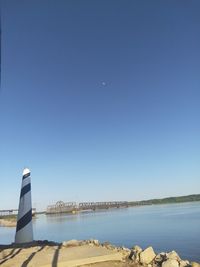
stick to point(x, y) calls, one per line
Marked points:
point(104, 244)
point(173, 256)
point(160, 257)
point(84, 242)
point(195, 264)
point(109, 246)
point(184, 263)
point(170, 263)
point(71, 243)
point(126, 249)
point(137, 249)
point(92, 242)
point(134, 254)
point(96, 242)
point(147, 255)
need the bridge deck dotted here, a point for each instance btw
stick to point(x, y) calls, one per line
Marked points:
point(61, 207)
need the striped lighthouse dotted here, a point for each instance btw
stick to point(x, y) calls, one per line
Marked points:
point(24, 229)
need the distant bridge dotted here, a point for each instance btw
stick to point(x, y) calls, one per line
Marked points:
point(61, 207)
point(102, 205)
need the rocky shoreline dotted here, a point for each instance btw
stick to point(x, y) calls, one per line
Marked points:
point(140, 257)
point(120, 256)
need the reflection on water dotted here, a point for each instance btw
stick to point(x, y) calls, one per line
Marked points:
point(60, 218)
point(165, 227)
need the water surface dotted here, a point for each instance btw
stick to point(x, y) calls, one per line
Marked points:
point(165, 227)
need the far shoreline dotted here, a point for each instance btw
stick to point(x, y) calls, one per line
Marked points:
point(11, 220)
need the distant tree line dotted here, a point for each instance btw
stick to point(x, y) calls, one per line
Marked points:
point(167, 200)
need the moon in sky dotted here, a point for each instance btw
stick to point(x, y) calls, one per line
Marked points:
point(103, 83)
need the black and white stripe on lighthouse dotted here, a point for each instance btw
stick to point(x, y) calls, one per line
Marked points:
point(24, 229)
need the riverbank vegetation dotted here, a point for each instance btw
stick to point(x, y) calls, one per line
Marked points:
point(168, 200)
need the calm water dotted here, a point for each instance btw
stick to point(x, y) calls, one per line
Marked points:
point(165, 227)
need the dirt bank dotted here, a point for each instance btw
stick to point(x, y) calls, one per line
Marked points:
point(10, 222)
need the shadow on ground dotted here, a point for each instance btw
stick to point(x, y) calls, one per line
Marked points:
point(16, 248)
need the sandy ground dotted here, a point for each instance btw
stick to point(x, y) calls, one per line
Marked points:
point(8, 222)
point(111, 264)
point(60, 256)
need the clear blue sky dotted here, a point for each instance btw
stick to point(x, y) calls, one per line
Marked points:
point(100, 99)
